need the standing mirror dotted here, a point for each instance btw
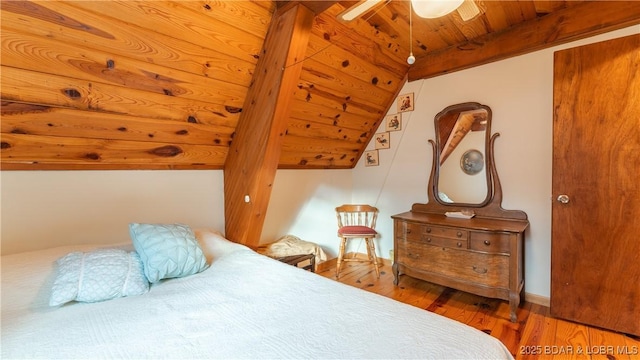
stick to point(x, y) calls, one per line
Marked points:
point(462, 137)
point(463, 175)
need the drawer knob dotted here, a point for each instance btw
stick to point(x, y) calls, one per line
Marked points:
point(413, 256)
point(459, 244)
point(428, 239)
point(487, 242)
point(459, 234)
point(428, 229)
point(408, 231)
point(480, 271)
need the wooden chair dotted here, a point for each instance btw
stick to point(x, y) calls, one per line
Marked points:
point(357, 222)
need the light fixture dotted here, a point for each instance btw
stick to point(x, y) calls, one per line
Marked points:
point(357, 10)
point(431, 9)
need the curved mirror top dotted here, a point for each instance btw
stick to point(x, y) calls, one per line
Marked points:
point(462, 138)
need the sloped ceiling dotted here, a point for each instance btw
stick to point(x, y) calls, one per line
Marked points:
point(162, 84)
point(182, 84)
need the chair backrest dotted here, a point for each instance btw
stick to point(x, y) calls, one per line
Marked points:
point(356, 215)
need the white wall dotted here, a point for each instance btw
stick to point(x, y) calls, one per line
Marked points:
point(41, 209)
point(51, 208)
point(303, 204)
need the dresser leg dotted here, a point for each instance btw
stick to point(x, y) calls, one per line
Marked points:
point(514, 301)
point(394, 267)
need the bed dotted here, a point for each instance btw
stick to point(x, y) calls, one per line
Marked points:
point(243, 305)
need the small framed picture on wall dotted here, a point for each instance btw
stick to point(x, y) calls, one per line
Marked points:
point(393, 122)
point(382, 140)
point(405, 102)
point(371, 158)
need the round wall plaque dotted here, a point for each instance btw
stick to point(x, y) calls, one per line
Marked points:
point(472, 162)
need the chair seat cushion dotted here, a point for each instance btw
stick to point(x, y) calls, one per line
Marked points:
point(356, 230)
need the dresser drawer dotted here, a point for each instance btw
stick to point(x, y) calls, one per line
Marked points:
point(489, 242)
point(479, 268)
point(445, 232)
point(444, 242)
point(413, 231)
point(436, 235)
point(417, 231)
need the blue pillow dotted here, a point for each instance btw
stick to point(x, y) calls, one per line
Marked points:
point(167, 250)
point(98, 275)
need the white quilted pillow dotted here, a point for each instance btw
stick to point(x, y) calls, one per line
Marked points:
point(98, 275)
point(167, 250)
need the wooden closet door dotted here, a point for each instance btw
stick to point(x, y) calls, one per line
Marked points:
point(595, 250)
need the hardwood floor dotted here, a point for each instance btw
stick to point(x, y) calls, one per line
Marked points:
point(536, 335)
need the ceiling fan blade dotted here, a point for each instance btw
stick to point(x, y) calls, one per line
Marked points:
point(358, 9)
point(468, 10)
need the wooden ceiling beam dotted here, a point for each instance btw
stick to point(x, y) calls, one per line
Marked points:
point(576, 22)
point(254, 153)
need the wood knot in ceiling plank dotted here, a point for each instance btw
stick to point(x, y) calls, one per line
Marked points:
point(92, 156)
point(166, 151)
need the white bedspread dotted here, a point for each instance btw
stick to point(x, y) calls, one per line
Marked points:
point(245, 305)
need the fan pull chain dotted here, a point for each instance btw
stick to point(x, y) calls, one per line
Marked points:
point(411, 59)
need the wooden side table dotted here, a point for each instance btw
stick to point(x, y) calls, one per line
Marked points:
point(296, 260)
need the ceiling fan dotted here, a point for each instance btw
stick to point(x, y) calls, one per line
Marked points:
point(423, 8)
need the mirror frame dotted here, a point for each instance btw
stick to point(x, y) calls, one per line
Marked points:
point(492, 206)
point(459, 108)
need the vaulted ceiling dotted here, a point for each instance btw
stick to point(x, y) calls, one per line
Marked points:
point(244, 86)
point(163, 84)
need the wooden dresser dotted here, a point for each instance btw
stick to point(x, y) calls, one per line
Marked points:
point(483, 256)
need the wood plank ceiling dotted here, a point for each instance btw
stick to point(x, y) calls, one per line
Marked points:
point(178, 84)
point(162, 84)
